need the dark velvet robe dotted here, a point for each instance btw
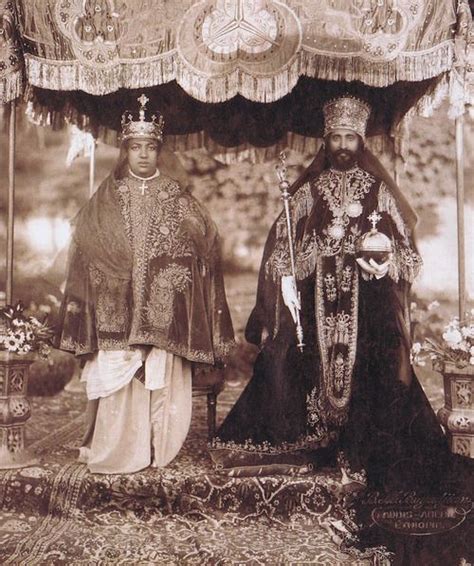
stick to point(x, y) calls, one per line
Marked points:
point(299, 402)
point(374, 421)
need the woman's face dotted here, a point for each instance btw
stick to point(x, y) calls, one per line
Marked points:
point(142, 155)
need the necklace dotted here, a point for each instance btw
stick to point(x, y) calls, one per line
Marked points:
point(144, 180)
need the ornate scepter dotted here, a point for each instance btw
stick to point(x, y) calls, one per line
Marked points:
point(286, 197)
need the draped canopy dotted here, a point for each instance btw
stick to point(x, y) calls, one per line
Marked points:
point(229, 72)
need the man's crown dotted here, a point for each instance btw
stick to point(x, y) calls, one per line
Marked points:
point(142, 128)
point(346, 112)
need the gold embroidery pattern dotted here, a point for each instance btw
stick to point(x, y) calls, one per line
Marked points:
point(278, 264)
point(337, 329)
point(337, 337)
point(314, 413)
point(328, 246)
point(343, 463)
point(153, 222)
point(165, 237)
point(309, 441)
point(312, 407)
point(223, 349)
point(386, 203)
point(301, 204)
point(113, 344)
point(342, 191)
point(96, 277)
point(154, 218)
point(112, 314)
point(405, 263)
point(330, 184)
point(306, 256)
point(73, 346)
point(339, 374)
point(331, 291)
point(350, 242)
point(346, 279)
point(174, 279)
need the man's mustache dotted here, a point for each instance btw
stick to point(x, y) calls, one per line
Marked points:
point(344, 153)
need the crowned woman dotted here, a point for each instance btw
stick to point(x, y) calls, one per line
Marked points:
point(144, 300)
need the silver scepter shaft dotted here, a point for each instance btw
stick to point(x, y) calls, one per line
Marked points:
point(286, 197)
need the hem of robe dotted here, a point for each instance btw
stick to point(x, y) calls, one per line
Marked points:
point(238, 460)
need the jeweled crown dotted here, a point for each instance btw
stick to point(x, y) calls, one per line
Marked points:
point(143, 127)
point(346, 112)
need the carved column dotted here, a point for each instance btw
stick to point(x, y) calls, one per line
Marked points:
point(14, 410)
point(457, 415)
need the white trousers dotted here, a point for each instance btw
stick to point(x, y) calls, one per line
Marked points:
point(137, 425)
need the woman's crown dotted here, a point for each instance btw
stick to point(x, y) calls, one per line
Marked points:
point(142, 128)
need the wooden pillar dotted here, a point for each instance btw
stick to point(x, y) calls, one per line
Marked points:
point(459, 125)
point(11, 201)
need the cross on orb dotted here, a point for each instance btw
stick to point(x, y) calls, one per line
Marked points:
point(374, 218)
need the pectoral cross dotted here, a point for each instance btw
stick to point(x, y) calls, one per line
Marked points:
point(144, 180)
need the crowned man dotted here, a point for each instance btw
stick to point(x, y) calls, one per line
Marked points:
point(351, 395)
point(144, 300)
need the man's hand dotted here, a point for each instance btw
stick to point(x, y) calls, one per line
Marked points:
point(290, 294)
point(372, 268)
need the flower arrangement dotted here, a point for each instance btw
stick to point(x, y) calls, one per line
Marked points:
point(22, 334)
point(456, 346)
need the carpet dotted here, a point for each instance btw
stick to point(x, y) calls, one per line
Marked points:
point(56, 512)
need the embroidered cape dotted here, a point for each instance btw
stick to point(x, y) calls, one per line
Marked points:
point(144, 269)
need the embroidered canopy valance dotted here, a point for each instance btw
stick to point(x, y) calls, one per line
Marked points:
point(216, 49)
point(207, 63)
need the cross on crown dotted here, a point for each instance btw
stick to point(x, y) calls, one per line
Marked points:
point(143, 99)
point(142, 128)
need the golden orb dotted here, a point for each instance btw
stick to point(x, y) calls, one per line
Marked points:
point(374, 245)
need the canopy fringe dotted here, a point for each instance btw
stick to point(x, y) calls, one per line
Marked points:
point(11, 86)
point(415, 66)
point(62, 75)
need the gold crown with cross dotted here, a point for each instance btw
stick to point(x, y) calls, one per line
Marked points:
point(142, 128)
point(348, 113)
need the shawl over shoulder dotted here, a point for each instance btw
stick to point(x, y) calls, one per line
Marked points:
point(169, 293)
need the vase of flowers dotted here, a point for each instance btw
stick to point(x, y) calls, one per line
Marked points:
point(453, 356)
point(22, 339)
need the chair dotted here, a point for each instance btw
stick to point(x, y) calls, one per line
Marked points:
point(209, 383)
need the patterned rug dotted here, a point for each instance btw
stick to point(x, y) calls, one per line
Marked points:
point(56, 512)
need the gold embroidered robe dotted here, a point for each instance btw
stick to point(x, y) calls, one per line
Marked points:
point(144, 269)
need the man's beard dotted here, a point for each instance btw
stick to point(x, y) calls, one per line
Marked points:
point(343, 159)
